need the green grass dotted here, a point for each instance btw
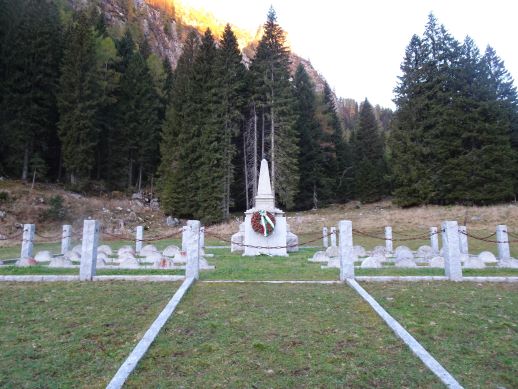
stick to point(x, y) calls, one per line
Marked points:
point(277, 336)
point(233, 266)
point(424, 271)
point(65, 335)
point(470, 328)
point(45, 270)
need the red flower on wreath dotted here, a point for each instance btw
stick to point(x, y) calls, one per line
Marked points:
point(260, 219)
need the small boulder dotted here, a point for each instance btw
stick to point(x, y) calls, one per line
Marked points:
point(237, 241)
point(78, 249)
point(487, 257)
point(172, 221)
point(43, 256)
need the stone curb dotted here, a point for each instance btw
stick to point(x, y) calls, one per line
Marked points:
point(430, 362)
point(50, 278)
point(141, 348)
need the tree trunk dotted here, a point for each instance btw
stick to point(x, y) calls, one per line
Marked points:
point(25, 170)
point(140, 178)
point(130, 173)
point(246, 171)
point(272, 118)
point(255, 153)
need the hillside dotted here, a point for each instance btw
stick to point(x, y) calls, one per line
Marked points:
point(119, 214)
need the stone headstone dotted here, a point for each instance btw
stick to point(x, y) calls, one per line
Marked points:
point(24, 262)
point(237, 241)
point(60, 261)
point(43, 256)
point(125, 250)
point(425, 252)
point(163, 263)
point(104, 249)
point(333, 236)
point(450, 239)
point(371, 263)
point(487, 257)
point(401, 248)
point(406, 262)
point(148, 249)
point(171, 251)
point(359, 251)
point(434, 240)
point(27, 241)
point(379, 250)
point(180, 258)
point(332, 252)
point(474, 263)
point(325, 237)
point(437, 262)
point(77, 249)
point(66, 238)
point(319, 256)
point(153, 256)
point(72, 256)
point(347, 257)
point(509, 263)
point(128, 262)
point(503, 242)
point(292, 241)
point(388, 239)
point(404, 254)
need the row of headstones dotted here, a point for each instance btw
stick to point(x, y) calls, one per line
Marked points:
point(192, 243)
point(502, 238)
point(29, 230)
point(451, 248)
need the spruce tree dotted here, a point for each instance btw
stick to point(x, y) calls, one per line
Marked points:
point(176, 181)
point(368, 160)
point(273, 93)
point(30, 41)
point(79, 99)
point(311, 156)
point(232, 91)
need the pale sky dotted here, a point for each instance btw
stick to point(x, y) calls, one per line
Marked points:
point(359, 45)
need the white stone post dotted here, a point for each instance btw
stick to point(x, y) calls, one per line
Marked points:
point(139, 239)
point(325, 237)
point(202, 237)
point(192, 243)
point(185, 235)
point(66, 238)
point(388, 240)
point(89, 250)
point(463, 240)
point(503, 242)
point(450, 243)
point(346, 249)
point(434, 240)
point(27, 241)
point(333, 236)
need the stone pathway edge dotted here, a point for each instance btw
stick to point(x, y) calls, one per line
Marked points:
point(430, 362)
point(143, 345)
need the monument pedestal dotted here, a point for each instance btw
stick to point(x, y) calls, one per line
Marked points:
point(273, 244)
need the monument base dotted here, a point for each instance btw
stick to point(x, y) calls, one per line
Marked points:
point(273, 244)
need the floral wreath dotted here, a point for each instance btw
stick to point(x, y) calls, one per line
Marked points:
point(263, 222)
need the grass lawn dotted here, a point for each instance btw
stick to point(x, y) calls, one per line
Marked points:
point(45, 270)
point(471, 329)
point(65, 335)
point(277, 336)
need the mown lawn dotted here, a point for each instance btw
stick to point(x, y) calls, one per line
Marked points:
point(73, 335)
point(470, 328)
point(277, 336)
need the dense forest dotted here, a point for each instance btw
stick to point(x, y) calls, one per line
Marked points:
point(101, 111)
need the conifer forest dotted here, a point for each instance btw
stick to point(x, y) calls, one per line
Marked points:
point(100, 111)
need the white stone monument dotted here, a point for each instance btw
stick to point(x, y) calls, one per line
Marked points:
point(275, 242)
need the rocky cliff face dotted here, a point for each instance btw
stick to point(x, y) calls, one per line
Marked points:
point(164, 33)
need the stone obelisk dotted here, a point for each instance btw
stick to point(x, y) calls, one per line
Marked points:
point(275, 243)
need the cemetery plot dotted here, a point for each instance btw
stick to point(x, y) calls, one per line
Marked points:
point(73, 334)
point(264, 335)
point(470, 328)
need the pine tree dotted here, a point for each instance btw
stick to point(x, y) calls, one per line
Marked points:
point(30, 40)
point(368, 160)
point(79, 99)
point(310, 138)
point(273, 94)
